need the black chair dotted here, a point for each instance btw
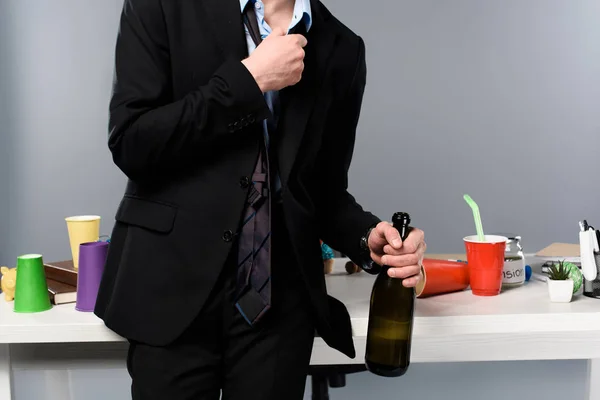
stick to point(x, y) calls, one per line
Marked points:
point(325, 376)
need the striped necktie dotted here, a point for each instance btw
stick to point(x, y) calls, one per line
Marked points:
point(254, 260)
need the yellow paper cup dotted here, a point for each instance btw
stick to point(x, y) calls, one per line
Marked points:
point(82, 229)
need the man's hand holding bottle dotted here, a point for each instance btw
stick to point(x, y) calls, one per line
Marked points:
point(403, 258)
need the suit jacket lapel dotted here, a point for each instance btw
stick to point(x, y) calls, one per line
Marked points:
point(297, 101)
point(228, 27)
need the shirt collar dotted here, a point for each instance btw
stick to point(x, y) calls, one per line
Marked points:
point(302, 12)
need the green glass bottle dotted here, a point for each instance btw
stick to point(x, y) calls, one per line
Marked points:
point(391, 317)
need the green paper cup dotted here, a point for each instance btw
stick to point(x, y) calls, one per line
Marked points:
point(31, 292)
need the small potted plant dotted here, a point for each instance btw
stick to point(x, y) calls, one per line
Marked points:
point(560, 284)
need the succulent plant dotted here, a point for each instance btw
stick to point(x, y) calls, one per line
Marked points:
point(559, 272)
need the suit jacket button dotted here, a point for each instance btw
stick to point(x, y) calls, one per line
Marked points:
point(228, 236)
point(244, 182)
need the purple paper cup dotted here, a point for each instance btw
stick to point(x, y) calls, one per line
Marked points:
point(92, 257)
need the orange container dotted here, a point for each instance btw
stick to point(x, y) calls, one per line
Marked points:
point(486, 262)
point(442, 276)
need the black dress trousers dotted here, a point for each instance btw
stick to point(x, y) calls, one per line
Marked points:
point(221, 352)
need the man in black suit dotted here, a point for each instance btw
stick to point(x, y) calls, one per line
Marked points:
point(230, 117)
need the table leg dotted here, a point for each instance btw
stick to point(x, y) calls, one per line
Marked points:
point(320, 388)
point(5, 372)
point(593, 380)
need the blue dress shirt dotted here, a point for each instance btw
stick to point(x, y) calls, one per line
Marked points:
point(302, 14)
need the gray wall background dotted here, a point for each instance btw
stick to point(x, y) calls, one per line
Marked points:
point(56, 73)
point(4, 129)
point(496, 99)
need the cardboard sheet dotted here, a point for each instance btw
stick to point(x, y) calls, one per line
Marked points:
point(560, 250)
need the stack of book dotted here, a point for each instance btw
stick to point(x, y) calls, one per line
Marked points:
point(61, 278)
point(555, 253)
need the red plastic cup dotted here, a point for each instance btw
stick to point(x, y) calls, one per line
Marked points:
point(441, 277)
point(486, 262)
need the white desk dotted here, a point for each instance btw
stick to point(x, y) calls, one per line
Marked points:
point(520, 324)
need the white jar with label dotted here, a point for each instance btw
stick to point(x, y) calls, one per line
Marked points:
point(514, 262)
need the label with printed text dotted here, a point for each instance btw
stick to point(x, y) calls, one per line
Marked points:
point(514, 272)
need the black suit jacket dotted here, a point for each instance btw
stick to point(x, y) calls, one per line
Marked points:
point(185, 125)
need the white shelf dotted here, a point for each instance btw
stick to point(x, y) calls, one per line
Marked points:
point(519, 324)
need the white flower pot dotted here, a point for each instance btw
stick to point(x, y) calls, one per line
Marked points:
point(560, 291)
